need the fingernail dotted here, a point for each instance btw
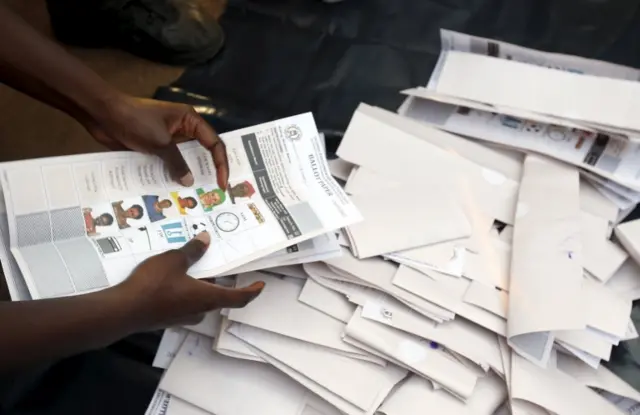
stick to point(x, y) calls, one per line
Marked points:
point(204, 237)
point(261, 284)
point(187, 180)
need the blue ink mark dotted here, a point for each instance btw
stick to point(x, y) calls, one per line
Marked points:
point(433, 345)
point(570, 255)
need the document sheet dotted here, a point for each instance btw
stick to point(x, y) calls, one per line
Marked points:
point(88, 220)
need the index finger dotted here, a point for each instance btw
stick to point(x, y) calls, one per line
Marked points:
point(208, 138)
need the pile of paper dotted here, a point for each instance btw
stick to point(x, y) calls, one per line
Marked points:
point(490, 273)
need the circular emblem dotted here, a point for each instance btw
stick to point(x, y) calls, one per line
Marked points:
point(293, 132)
point(227, 221)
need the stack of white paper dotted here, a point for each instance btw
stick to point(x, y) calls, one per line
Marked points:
point(490, 273)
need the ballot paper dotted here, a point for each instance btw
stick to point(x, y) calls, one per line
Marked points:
point(626, 281)
point(414, 156)
point(220, 385)
point(383, 231)
point(423, 357)
point(364, 181)
point(278, 310)
point(462, 42)
point(332, 303)
point(502, 161)
point(542, 387)
point(380, 274)
point(546, 271)
point(611, 156)
point(16, 284)
point(172, 339)
point(629, 236)
point(88, 220)
point(159, 404)
point(229, 345)
point(357, 382)
point(314, 249)
point(417, 394)
point(602, 258)
point(461, 336)
point(604, 102)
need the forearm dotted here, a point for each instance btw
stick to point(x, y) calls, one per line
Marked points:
point(42, 330)
point(37, 66)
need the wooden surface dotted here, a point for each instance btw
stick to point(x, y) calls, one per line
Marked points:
point(30, 129)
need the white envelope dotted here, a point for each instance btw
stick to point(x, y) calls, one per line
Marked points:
point(332, 303)
point(358, 382)
point(423, 357)
point(492, 265)
point(487, 298)
point(461, 336)
point(364, 180)
point(506, 235)
point(294, 271)
point(586, 358)
point(369, 349)
point(506, 163)
point(328, 278)
point(403, 152)
point(594, 202)
point(331, 398)
point(447, 257)
point(179, 407)
point(626, 281)
point(546, 268)
point(554, 390)
point(209, 325)
point(339, 169)
point(170, 343)
point(229, 345)
point(431, 95)
point(607, 311)
point(603, 101)
point(277, 309)
point(505, 354)
point(586, 340)
point(426, 216)
point(421, 285)
point(416, 394)
point(600, 378)
point(220, 385)
point(380, 273)
point(628, 234)
point(602, 258)
point(356, 294)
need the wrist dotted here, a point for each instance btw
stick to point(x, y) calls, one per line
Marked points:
point(121, 307)
point(96, 106)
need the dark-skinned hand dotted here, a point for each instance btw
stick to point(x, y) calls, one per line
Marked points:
point(162, 294)
point(156, 127)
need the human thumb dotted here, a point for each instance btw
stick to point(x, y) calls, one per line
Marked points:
point(192, 251)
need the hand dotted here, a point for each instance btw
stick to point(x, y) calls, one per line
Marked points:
point(155, 127)
point(161, 293)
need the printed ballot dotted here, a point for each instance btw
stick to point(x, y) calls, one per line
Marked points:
point(88, 220)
